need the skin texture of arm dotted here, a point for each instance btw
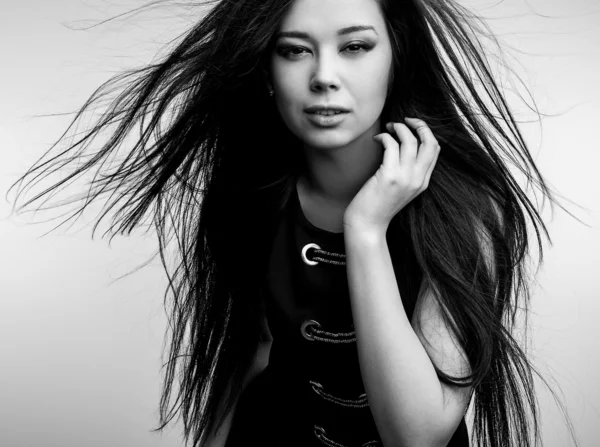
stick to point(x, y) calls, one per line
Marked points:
point(409, 404)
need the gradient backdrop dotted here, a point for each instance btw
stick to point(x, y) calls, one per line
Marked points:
point(81, 351)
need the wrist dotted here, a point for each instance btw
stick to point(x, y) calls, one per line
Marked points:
point(364, 233)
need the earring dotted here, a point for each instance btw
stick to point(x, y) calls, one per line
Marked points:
point(270, 88)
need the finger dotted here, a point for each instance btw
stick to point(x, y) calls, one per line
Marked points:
point(422, 130)
point(428, 149)
point(432, 166)
point(408, 143)
point(391, 153)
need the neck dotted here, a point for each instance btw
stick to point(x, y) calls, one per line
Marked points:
point(336, 175)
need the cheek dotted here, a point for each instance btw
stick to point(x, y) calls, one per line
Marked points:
point(370, 99)
point(290, 112)
point(376, 78)
point(283, 82)
point(287, 104)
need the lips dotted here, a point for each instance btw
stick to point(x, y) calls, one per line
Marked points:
point(321, 120)
point(326, 109)
point(328, 112)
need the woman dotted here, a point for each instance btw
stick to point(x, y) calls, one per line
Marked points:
point(405, 191)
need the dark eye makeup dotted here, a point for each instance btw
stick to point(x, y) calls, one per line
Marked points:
point(288, 51)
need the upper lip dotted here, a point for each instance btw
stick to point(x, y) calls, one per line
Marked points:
point(319, 108)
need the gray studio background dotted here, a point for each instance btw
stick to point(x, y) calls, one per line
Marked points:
point(81, 350)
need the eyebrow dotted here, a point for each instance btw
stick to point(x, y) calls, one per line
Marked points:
point(341, 32)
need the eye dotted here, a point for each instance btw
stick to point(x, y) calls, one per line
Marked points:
point(363, 46)
point(287, 51)
point(292, 52)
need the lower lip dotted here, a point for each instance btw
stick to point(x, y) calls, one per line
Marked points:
point(326, 120)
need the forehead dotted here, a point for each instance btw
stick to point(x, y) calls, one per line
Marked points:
point(325, 17)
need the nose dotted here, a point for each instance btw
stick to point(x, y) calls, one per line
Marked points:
point(324, 77)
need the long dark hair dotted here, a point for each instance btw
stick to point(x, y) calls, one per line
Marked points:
point(213, 174)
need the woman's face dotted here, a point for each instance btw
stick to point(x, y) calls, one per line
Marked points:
point(322, 61)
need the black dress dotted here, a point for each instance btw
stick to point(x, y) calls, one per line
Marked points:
point(311, 393)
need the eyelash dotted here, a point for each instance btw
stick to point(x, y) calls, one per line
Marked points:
point(286, 51)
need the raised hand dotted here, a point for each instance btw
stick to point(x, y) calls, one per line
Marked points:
point(404, 174)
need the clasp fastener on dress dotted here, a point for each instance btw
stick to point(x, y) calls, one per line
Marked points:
point(310, 330)
point(321, 435)
point(324, 256)
point(360, 402)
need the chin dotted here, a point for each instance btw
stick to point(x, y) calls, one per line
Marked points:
point(327, 141)
point(326, 138)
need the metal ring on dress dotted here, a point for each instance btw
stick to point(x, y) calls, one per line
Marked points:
point(305, 249)
point(316, 384)
point(304, 327)
point(319, 431)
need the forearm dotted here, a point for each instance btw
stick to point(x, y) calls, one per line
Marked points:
point(404, 392)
